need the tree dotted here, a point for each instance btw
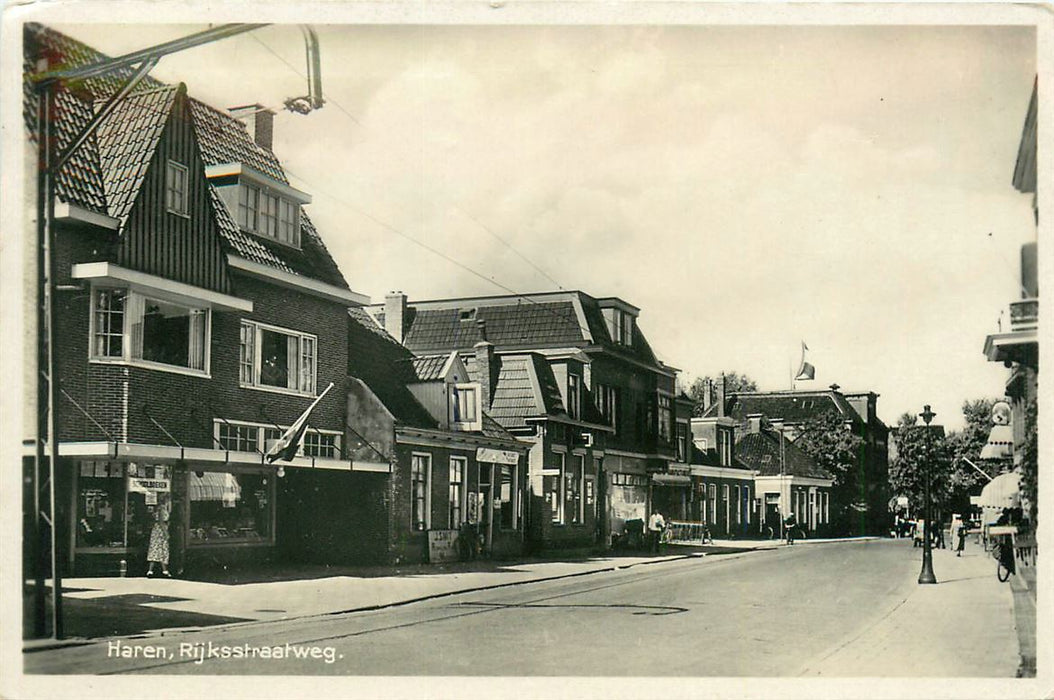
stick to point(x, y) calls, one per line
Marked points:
point(1030, 463)
point(733, 382)
point(828, 439)
point(923, 452)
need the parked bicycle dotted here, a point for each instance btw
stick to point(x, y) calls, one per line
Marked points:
point(1003, 553)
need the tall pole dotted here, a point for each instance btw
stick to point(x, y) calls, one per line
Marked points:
point(926, 575)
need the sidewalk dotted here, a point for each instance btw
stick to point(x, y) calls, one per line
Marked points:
point(110, 607)
point(961, 627)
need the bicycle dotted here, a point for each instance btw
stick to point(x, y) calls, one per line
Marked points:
point(1003, 553)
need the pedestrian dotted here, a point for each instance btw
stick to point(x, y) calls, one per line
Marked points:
point(157, 550)
point(656, 524)
point(960, 537)
point(788, 527)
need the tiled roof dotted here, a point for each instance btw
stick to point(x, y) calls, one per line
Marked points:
point(793, 407)
point(514, 399)
point(640, 349)
point(761, 451)
point(106, 173)
point(428, 368)
point(127, 139)
point(540, 323)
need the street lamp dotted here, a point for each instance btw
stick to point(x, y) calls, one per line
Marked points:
point(926, 575)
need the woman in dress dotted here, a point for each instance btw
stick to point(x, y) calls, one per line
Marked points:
point(157, 551)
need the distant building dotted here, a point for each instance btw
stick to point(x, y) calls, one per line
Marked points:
point(793, 409)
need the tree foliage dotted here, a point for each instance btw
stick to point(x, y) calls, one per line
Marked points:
point(923, 453)
point(829, 440)
point(733, 382)
point(1030, 462)
point(966, 444)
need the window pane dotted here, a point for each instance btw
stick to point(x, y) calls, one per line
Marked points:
point(227, 506)
point(109, 322)
point(419, 465)
point(307, 365)
point(173, 335)
point(274, 358)
point(247, 355)
point(100, 504)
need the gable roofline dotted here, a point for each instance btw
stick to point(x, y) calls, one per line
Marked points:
point(292, 280)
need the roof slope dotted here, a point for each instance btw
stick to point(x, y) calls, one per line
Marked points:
point(527, 323)
point(792, 407)
point(761, 451)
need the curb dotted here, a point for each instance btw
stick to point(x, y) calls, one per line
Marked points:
point(172, 631)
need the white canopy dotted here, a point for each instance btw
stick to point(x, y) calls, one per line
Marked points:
point(1002, 491)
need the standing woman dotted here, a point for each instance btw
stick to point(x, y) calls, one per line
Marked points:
point(157, 551)
point(960, 534)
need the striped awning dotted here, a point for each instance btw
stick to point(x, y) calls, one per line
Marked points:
point(671, 479)
point(1004, 491)
point(215, 486)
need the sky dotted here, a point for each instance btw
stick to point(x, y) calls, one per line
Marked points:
point(748, 187)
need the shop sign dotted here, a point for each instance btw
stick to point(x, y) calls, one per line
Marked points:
point(442, 546)
point(142, 485)
point(487, 454)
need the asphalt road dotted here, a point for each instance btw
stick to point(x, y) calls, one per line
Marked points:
point(768, 613)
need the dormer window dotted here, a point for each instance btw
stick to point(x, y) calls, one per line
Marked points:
point(465, 409)
point(260, 204)
point(620, 325)
point(574, 396)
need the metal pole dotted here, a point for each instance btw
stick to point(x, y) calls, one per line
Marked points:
point(926, 575)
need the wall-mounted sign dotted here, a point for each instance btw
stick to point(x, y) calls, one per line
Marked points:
point(141, 485)
point(487, 454)
point(442, 546)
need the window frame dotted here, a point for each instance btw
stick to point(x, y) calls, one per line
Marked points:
point(261, 437)
point(574, 395)
point(285, 231)
point(255, 384)
point(456, 500)
point(682, 440)
point(664, 418)
point(427, 497)
point(558, 516)
point(454, 393)
point(128, 349)
point(172, 167)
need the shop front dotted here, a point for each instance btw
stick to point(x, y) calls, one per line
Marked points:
point(627, 486)
point(672, 495)
point(220, 510)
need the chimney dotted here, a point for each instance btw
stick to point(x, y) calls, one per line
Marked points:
point(708, 396)
point(258, 120)
point(720, 400)
point(394, 313)
point(486, 367)
point(754, 423)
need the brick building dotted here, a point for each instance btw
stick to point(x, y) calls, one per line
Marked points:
point(198, 315)
point(452, 464)
point(578, 378)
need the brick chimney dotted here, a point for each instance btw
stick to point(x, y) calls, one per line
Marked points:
point(708, 397)
point(486, 367)
point(720, 400)
point(394, 313)
point(258, 120)
point(754, 423)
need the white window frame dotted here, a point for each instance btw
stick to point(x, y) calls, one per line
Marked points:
point(475, 388)
point(254, 382)
point(427, 457)
point(261, 435)
point(514, 492)
point(713, 503)
point(574, 395)
point(455, 523)
point(182, 207)
point(128, 352)
point(560, 516)
point(285, 232)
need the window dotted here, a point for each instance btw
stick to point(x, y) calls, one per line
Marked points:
point(456, 483)
point(620, 326)
point(317, 444)
point(131, 327)
point(506, 496)
point(420, 469)
point(573, 395)
point(263, 212)
point(239, 438)
point(739, 506)
point(229, 506)
point(552, 486)
point(607, 400)
point(248, 207)
point(725, 500)
point(464, 407)
point(573, 479)
point(665, 418)
point(826, 507)
point(277, 358)
point(713, 503)
point(682, 442)
point(176, 182)
point(724, 447)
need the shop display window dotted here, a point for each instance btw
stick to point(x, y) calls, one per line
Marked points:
point(116, 502)
point(230, 507)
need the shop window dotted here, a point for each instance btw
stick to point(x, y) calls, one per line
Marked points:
point(134, 328)
point(277, 358)
point(229, 507)
point(456, 483)
point(116, 502)
point(420, 469)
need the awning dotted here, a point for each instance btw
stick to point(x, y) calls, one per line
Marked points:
point(671, 479)
point(1000, 443)
point(215, 486)
point(1002, 491)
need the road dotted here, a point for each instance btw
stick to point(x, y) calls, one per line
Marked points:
point(785, 612)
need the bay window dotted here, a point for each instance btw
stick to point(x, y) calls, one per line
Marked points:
point(128, 326)
point(277, 358)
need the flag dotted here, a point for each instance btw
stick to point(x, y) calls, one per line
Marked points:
point(287, 445)
point(805, 369)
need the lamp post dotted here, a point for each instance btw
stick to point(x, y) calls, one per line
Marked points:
point(926, 575)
